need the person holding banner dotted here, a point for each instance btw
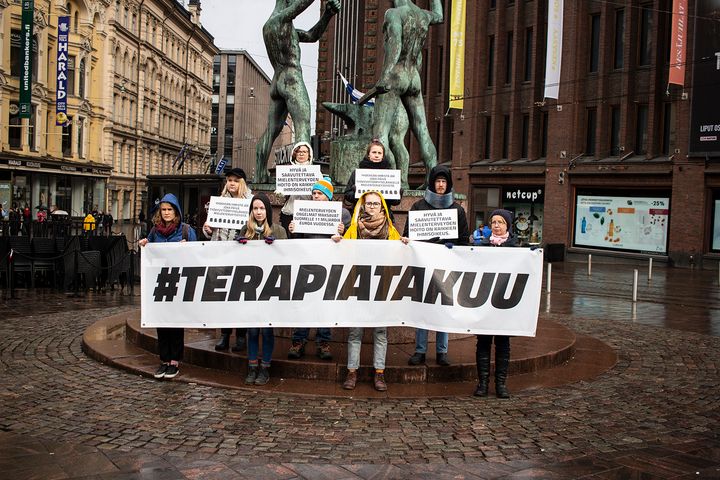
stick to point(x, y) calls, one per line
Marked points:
point(501, 226)
point(371, 220)
point(302, 154)
point(438, 196)
point(168, 227)
point(374, 159)
point(235, 187)
point(322, 191)
point(260, 227)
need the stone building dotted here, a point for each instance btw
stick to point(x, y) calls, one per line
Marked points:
point(614, 166)
point(138, 87)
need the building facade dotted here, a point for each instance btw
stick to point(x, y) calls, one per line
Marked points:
point(608, 166)
point(240, 104)
point(138, 90)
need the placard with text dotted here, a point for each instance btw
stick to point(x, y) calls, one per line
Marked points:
point(427, 224)
point(225, 212)
point(296, 179)
point(387, 182)
point(317, 217)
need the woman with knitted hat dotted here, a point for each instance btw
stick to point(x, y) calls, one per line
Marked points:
point(322, 191)
point(260, 227)
point(235, 187)
point(501, 226)
point(370, 221)
point(302, 154)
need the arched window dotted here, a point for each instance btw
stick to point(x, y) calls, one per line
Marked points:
point(133, 67)
point(76, 21)
point(118, 59)
point(125, 65)
point(81, 79)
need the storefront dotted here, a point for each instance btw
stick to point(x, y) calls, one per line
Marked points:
point(525, 202)
point(75, 188)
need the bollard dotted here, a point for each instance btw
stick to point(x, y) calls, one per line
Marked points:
point(549, 277)
point(589, 265)
point(635, 281)
point(650, 270)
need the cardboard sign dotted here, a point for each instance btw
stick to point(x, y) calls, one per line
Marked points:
point(427, 224)
point(317, 217)
point(296, 179)
point(225, 212)
point(387, 182)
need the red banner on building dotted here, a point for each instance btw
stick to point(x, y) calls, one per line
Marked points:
point(678, 42)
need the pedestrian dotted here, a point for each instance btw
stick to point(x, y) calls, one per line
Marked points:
point(322, 191)
point(302, 154)
point(89, 224)
point(438, 196)
point(370, 220)
point(14, 217)
point(482, 231)
point(260, 227)
point(374, 160)
point(168, 227)
point(235, 187)
point(502, 236)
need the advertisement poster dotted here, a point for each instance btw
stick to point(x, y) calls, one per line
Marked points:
point(622, 223)
point(705, 110)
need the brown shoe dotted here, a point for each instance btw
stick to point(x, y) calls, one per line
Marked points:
point(323, 351)
point(350, 380)
point(380, 384)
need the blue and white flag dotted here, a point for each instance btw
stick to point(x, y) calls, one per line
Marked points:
point(220, 166)
point(354, 93)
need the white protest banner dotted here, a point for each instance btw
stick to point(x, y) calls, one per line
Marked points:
point(226, 212)
point(352, 283)
point(427, 224)
point(387, 182)
point(317, 217)
point(296, 179)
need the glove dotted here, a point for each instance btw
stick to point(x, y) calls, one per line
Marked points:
point(434, 240)
point(269, 240)
point(449, 245)
point(241, 240)
point(534, 247)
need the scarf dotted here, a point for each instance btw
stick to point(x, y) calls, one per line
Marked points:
point(499, 240)
point(165, 230)
point(375, 227)
point(438, 201)
point(260, 230)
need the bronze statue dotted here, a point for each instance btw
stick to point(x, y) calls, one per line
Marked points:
point(288, 93)
point(405, 29)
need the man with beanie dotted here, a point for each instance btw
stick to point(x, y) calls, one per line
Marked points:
point(322, 191)
point(438, 196)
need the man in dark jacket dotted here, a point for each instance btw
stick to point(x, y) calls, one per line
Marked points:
point(438, 196)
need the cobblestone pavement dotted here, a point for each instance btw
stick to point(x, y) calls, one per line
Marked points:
point(655, 415)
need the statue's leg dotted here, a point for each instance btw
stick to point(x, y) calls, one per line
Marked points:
point(298, 104)
point(383, 118)
point(397, 145)
point(276, 120)
point(416, 115)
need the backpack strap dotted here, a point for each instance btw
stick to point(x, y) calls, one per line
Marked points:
point(185, 231)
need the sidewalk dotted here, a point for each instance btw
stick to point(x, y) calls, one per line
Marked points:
point(655, 415)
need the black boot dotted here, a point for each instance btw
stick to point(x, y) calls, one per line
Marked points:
point(224, 342)
point(240, 344)
point(502, 361)
point(482, 357)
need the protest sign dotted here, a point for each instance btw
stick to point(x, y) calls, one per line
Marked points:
point(317, 217)
point(226, 212)
point(296, 179)
point(427, 224)
point(387, 182)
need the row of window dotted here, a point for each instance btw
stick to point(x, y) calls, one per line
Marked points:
point(148, 162)
point(73, 134)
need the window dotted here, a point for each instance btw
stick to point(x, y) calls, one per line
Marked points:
point(615, 130)
point(81, 137)
point(440, 70)
point(15, 127)
point(544, 142)
point(641, 130)
point(67, 138)
point(506, 136)
point(81, 79)
point(667, 139)
point(525, 136)
point(488, 137)
point(16, 55)
point(618, 62)
point(491, 60)
point(594, 43)
point(32, 129)
point(528, 54)
point(231, 73)
point(509, 58)
point(590, 131)
point(646, 29)
point(71, 75)
point(76, 21)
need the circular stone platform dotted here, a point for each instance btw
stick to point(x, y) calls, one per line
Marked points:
point(551, 358)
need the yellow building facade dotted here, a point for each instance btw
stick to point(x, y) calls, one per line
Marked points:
point(139, 83)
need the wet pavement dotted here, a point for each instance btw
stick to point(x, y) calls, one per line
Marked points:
point(654, 415)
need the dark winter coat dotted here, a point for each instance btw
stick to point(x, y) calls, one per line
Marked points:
point(369, 164)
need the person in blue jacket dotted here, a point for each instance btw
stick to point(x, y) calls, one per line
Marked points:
point(168, 227)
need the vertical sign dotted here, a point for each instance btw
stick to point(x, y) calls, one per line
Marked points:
point(554, 48)
point(26, 69)
point(62, 64)
point(705, 109)
point(457, 54)
point(678, 41)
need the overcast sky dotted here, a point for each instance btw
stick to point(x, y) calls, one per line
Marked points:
point(237, 24)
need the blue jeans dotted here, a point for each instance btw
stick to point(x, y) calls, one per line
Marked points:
point(421, 339)
point(268, 343)
point(301, 335)
point(355, 335)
